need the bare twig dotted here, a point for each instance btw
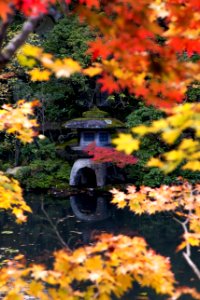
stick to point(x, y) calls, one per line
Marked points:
point(184, 226)
point(61, 220)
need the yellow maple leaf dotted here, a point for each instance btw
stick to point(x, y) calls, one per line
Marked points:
point(155, 162)
point(11, 198)
point(65, 67)
point(30, 50)
point(39, 75)
point(26, 61)
point(174, 155)
point(192, 165)
point(192, 238)
point(188, 144)
point(126, 142)
point(94, 263)
point(139, 79)
point(170, 136)
point(159, 124)
point(35, 288)
point(92, 71)
point(39, 272)
point(141, 130)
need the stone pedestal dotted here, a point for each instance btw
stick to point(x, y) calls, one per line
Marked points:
point(84, 168)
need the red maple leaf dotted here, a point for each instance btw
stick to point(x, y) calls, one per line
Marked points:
point(33, 7)
point(90, 3)
point(108, 84)
point(105, 155)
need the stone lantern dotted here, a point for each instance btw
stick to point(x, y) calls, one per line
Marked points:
point(94, 127)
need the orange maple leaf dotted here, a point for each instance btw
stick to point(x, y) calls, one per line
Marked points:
point(5, 9)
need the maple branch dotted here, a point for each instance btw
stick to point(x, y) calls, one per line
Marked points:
point(185, 229)
point(4, 26)
point(187, 254)
point(3, 31)
point(9, 50)
point(192, 264)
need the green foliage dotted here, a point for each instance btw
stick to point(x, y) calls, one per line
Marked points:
point(43, 170)
point(7, 151)
point(193, 92)
point(38, 150)
point(152, 177)
point(143, 115)
point(61, 98)
point(69, 39)
point(45, 174)
point(95, 113)
point(195, 58)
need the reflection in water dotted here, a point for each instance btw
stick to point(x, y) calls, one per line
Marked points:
point(90, 208)
point(37, 238)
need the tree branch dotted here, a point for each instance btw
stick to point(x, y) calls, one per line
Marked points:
point(3, 31)
point(187, 254)
point(184, 226)
point(9, 50)
point(4, 26)
point(192, 264)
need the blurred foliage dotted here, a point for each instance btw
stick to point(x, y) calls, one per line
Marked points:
point(152, 146)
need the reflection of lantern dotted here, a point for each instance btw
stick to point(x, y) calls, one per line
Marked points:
point(95, 209)
point(94, 127)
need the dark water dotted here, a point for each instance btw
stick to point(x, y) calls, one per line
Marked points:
point(53, 223)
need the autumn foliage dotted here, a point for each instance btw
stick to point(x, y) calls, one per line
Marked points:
point(16, 120)
point(183, 200)
point(11, 198)
point(28, 8)
point(144, 42)
point(144, 47)
point(108, 267)
point(106, 155)
point(179, 120)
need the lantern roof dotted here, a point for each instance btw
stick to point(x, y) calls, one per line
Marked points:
point(94, 119)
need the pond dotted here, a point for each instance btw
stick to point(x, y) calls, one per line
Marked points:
point(76, 220)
